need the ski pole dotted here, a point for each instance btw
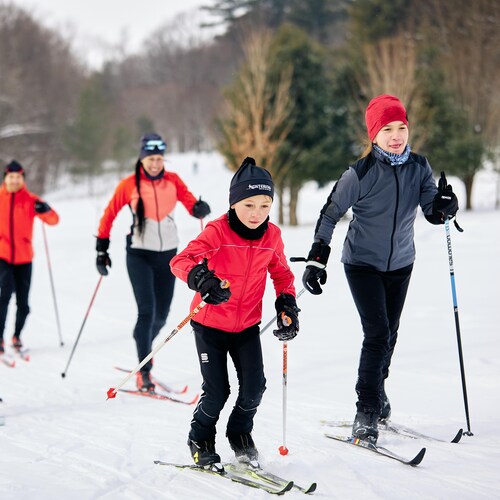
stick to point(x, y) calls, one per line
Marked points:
point(63, 374)
point(52, 284)
point(270, 322)
point(283, 449)
point(112, 391)
point(457, 326)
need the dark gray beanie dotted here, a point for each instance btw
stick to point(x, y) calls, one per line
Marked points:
point(152, 144)
point(15, 167)
point(250, 180)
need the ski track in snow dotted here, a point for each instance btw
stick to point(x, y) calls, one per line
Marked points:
point(63, 439)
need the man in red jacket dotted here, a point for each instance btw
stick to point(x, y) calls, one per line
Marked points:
point(18, 208)
point(243, 247)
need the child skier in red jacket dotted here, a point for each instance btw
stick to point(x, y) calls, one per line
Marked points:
point(241, 247)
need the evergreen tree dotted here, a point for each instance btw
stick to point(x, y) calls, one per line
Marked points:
point(321, 19)
point(124, 148)
point(87, 136)
point(375, 19)
point(316, 147)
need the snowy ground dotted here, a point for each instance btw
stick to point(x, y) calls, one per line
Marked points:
point(63, 439)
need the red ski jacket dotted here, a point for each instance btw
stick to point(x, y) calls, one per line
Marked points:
point(160, 197)
point(17, 213)
point(245, 264)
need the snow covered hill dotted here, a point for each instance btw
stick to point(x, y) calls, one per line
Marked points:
point(63, 439)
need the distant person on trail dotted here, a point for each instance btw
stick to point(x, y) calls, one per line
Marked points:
point(241, 246)
point(151, 194)
point(18, 209)
point(384, 189)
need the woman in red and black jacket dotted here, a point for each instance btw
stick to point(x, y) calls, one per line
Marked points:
point(152, 194)
point(18, 209)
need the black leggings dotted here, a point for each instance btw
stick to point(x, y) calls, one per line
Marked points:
point(14, 278)
point(246, 352)
point(379, 298)
point(153, 285)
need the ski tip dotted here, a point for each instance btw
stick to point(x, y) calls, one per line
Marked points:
point(111, 393)
point(458, 437)
point(184, 390)
point(195, 399)
point(311, 488)
point(418, 458)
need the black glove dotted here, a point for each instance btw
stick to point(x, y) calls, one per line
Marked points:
point(445, 203)
point(102, 261)
point(287, 317)
point(315, 273)
point(201, 209)
point(201, 279)
point(41, 207)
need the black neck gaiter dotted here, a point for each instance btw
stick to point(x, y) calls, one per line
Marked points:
point(245, 232)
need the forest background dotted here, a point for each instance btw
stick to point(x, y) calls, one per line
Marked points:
point(283, 81)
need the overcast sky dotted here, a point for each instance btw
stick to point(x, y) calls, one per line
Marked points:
point(98, 25)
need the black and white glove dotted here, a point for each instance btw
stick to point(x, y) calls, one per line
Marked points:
point(103, 260)
point(287, 317)
point(201, 209)
point(445, 203)
point(212, 289)
point(315, 272)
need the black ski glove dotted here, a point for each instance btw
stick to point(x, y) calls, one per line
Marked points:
point(201, 209)
point(445, 203)
point(41, 207)
point(315, 273)
point(201, 279)
point(102, 261)
point(287, 317)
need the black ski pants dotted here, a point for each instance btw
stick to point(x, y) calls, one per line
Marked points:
point(245, 350)
point(153, 285)
point(14, 278)
point(379, 298)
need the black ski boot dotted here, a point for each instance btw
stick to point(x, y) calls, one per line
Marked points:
point(243, 447)
point(203, 452)
point(16, 342)
point(365, 426)
point(144, 382)
point(385, 412)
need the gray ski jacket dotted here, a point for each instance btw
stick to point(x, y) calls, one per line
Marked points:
point(384, 201)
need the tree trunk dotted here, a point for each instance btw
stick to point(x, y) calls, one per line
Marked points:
point(292, 209)
point(38, 180)
point(468, 180)
point(497, 198)
point(280, 207)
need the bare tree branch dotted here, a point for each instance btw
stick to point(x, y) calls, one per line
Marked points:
point(257, 117)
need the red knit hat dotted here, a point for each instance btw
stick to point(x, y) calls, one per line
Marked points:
point(382, 110)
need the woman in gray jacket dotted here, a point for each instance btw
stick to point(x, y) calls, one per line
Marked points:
point(384, 189)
